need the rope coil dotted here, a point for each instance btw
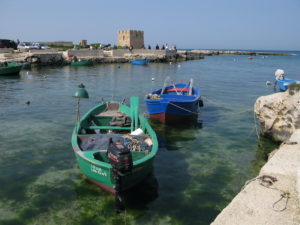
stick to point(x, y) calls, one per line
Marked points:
point(268, 182)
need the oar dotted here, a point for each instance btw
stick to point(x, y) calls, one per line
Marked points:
point(134, 106)
point(184, 87)
point(174, 88)
point(165, 84)
point(191, 86)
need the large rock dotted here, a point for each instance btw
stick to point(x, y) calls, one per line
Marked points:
point(279, 113)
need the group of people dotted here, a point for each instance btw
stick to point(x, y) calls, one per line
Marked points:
point(163, 47)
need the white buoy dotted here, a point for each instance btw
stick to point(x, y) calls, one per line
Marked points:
point(153, 79)
point(170, 62)
point(179, 65)
point(27, 73)
point(268, 83)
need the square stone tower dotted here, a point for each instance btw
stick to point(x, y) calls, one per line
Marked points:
point(134, 38)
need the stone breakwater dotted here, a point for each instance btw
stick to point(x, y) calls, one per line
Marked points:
point(227, 52)
point(52, 57)
point(263, 200)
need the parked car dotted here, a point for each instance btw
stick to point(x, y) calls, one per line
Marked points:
point(44, 46)
point(23, 46)
point(34, 46)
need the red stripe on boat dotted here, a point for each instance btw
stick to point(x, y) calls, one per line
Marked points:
point(178, 89)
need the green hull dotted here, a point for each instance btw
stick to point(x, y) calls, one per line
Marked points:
point(10, 70)
point(82, 63)
point(24, 65)
point(95, 165)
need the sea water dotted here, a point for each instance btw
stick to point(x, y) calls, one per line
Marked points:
point(199, 168)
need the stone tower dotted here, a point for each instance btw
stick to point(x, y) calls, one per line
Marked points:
point(134, 38)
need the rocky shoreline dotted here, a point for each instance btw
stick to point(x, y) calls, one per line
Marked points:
point(53, 57)
point(227, 52)
point(273, 196)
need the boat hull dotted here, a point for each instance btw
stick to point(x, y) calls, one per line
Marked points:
point(170, 118)
point(139, 62)
point(82, 63)
point(102, 175)
point(170, 108)
point(10, 70)
point(283, 85)
point(94, 164)
point(170, 112)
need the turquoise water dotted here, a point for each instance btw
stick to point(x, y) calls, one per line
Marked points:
point(199, 167)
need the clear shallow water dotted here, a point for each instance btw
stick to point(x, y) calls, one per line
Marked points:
point(198, 169)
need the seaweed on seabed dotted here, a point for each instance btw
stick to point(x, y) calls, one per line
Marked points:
point(293, 88)
point(265, 146)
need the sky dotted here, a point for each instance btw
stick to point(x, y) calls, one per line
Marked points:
point(197, 24)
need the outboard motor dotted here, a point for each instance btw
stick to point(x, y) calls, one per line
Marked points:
point(200, 103)
point(121, 161)
point(119, 157)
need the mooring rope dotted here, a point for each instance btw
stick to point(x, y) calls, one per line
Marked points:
point(243, 111)
point(184, 108)
point(267, 182)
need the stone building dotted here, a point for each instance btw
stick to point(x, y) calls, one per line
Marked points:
point(134, 38)
point(83, 43)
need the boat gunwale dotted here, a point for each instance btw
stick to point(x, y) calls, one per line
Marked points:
point(145, 158)
point(189, 98)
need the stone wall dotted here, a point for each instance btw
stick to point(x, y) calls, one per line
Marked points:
point(86, 53)
point(59, 43)
point(44, 58)
point(6, 50)
point(141, 52)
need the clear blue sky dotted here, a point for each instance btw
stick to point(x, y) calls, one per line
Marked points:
point(204, 24)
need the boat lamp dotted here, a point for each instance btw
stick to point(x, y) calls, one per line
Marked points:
point(81, 92)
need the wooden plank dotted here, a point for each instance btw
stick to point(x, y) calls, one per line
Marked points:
point(107, 128)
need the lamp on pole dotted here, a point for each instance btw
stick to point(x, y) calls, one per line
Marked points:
point(80, 93)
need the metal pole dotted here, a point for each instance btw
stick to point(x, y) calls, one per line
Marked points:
point(78, 113)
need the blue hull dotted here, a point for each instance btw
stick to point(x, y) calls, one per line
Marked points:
point(283, 85)
point(177, 106)
point(140, 62)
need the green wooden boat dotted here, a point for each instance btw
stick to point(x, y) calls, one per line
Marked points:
point(82, 63)
point(24, 65)
point(10, 70)
point(98, 128)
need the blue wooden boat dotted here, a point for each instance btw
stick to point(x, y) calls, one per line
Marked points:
point(283, 84)
point(140, 62)
point(174, 103)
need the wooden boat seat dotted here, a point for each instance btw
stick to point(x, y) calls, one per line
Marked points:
point(111, 110)
point(107, 128)
point(110, 113)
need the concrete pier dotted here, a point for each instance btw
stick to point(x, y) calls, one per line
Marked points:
point(261, 205)
point(264, 201)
